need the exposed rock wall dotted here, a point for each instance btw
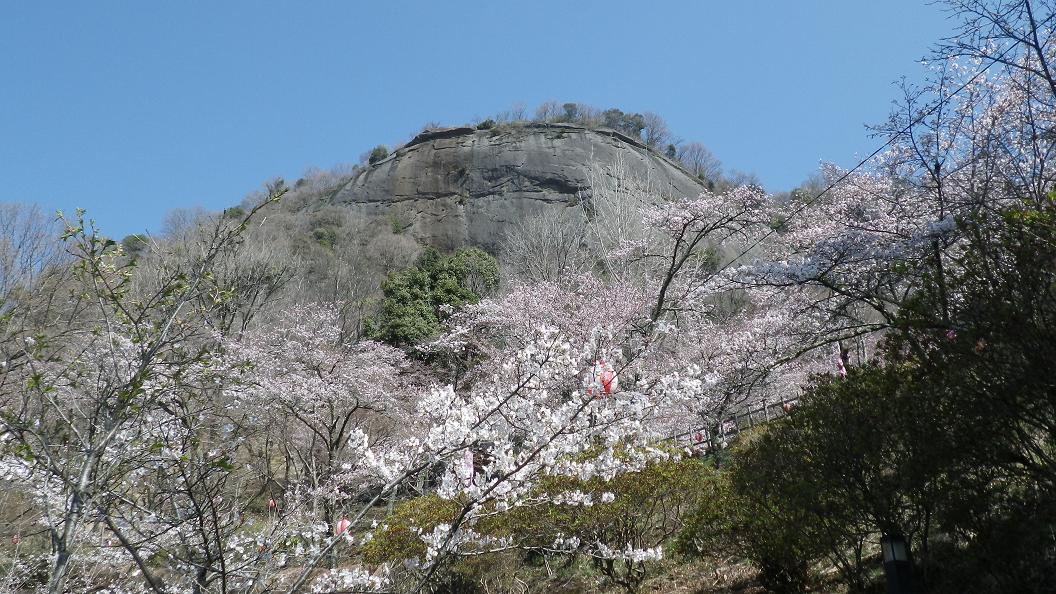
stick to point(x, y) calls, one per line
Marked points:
point(461, 186)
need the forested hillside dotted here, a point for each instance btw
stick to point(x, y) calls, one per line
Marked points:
point(441, 370)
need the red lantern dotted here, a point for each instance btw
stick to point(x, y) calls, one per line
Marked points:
point(698, 437)
point(606, 378)
point(341, 526)
point(272, 505)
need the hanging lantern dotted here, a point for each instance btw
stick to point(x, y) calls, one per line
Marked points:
point(341, 526)
point(272, 505)
point(698, 437)
point(605, 380)
point(16, 539)
point(841, 365)
point(609, 381)
point(843, 358)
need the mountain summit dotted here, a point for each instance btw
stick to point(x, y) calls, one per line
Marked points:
point(452, 187)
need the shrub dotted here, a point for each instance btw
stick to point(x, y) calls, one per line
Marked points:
point(396, 224)
point(742, 512)
point(645, 509)
point(407, 313)
point(399, 539)
point(235, 213)
point(377, 154)
point(415, 298)
point(858, 457)
point(325, 236)
point(135, 244)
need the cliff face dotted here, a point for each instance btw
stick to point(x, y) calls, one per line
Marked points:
point(461, 186)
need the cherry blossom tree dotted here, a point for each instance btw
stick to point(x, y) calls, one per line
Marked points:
point(318, 393)
point(89, 379)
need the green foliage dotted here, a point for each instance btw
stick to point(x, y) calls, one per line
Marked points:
point(1011, 552)
point(135, 244)
point(487, 124)
point(984, 359)
point(632, 515)
point(646, 509)
point(377, 154)
point(325, 236)
point(397, 225)
point(571, 112)
point(408, 315)
point(235, 213)
point(630, 124)
point(399, 538)
point(417, 299)
point(854, 459)
point(948, 440)
point(744, 513)
point(464, 278)
point(779, 223)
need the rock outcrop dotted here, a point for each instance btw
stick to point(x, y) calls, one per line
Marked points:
point(453, 187)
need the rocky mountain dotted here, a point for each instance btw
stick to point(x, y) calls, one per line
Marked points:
point(453, 187)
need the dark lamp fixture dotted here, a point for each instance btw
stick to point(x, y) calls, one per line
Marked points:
point(894, 548)
point(898, 567)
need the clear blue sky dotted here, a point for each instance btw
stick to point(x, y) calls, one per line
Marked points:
point(130, 109)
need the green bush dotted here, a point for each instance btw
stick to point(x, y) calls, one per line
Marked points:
point(135, 244)
point(235, 213)
point(415, 299)
point(398, 538)
point(983, 360)
point(325, 236)
point(948, 439)
point(396, 224)
point(744, 513)
point(857, 457)
point(647, 507)
point(377, 154)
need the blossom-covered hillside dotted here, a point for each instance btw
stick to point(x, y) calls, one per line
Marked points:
point(821, 391)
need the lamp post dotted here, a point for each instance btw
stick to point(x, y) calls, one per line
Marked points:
point(898, 567)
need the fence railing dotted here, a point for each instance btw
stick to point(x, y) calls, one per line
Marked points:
point(717, 435)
